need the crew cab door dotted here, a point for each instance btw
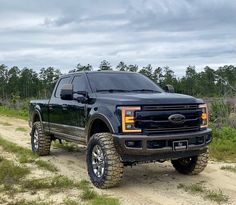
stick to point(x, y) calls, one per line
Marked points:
point(58, 115)
point(67, 117)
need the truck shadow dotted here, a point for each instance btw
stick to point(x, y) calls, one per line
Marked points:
point(148, 175)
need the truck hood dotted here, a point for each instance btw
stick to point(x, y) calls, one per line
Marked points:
point(147, 98)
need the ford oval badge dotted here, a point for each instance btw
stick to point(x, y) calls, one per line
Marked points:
point(177, 118)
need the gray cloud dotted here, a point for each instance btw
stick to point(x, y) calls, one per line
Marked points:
point(165, 32)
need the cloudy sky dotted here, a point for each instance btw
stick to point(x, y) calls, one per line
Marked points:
point(165, 32)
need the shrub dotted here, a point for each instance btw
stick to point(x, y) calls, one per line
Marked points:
point(220, 112)
point(223, 144)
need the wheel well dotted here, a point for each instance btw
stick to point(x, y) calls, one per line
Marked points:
point(98, 126)
point(36, 118)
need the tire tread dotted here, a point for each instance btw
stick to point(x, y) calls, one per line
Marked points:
point(115, 167)
point(199, 164)
point(44, 141)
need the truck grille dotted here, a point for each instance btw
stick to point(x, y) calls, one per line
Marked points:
point(154, 119)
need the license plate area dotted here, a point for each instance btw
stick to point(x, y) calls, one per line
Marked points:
point(180, 145)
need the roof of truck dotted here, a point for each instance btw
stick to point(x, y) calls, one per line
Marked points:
point(103, 71)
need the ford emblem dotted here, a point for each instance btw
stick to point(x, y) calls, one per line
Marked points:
point(177, 118)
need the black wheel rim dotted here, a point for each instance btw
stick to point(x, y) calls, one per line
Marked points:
point(185, 161)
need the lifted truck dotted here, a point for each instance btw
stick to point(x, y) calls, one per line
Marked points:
point(123, 118)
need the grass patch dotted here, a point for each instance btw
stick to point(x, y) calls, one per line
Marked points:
point(68, 201)
point(46, 165)
point(198, 188)
point(88, 194)
point(84, 184)
point(95, 199)
point(229, 168)
point(5, 124)
point(10, 112)
point(21, 129)
point(193, 188)
point(61, 182)
point(10, 173)
point(223, 145)
point(25, 155)
point(105, 200)
point(49, 183)
point(217, 196)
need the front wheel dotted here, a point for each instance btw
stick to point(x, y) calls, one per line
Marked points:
point(191, 165)
point(103, 162)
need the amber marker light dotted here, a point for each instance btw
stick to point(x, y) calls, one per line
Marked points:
point(128, 119)
point(204, 115)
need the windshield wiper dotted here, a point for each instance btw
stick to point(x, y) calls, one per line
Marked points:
point(112, 90)
point(145, 90)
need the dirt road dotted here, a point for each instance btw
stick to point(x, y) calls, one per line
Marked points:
point(150, 184)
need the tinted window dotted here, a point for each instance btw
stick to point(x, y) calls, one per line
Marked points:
point(79, 83)
point(121, 81)
point(62, 82)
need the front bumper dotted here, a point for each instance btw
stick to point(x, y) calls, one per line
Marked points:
point(137, 148)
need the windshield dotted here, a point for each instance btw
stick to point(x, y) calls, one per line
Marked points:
point(121, 82)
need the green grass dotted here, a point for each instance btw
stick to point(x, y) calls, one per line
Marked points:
point(11, 173)
point(5, 124)
point(193, 188)
point(88, 194)
point(217, 196)
point(68, 201)
point(198, 188)
point(104, 200)
point(229, 168)
point(23, 154)
point(46, 165)
point(21, 129)
point(223, 145)
point(59, 182)
point(49, 183)
point(18, 113)
point(84, 184)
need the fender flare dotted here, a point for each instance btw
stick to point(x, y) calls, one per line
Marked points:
point(99, 116)
point(37, 113)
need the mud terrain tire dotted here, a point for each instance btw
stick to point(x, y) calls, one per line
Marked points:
point(111, 172)
point(191, 165)
point(40, 142)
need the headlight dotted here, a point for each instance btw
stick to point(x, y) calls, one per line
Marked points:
point(128, 119)
point(204, 115)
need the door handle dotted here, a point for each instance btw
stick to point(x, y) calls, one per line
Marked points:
point(64, 107)
point(50, 107)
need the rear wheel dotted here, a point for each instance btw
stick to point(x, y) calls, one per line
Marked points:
point(191, 165)
point(40, 142)
point(103, 162)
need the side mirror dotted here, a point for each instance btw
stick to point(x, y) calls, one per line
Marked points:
point(67, 92)
point(80, 97)
point(169, 89)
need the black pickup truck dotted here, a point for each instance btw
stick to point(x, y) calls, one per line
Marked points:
point(123, 118)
